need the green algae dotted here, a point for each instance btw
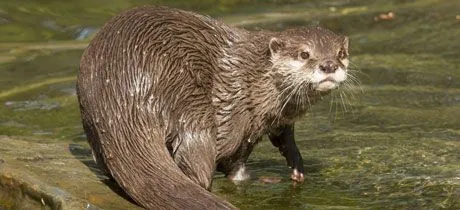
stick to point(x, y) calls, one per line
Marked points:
point(396, 146)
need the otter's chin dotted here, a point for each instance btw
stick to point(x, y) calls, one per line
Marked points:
point(326, 86)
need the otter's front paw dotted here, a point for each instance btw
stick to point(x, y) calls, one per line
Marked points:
point(297, 176)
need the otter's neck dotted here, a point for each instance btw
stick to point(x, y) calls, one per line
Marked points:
point(247, 65)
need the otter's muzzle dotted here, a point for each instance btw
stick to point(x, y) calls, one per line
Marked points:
point(328, 67)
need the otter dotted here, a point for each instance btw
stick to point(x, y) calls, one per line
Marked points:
point(168, 97)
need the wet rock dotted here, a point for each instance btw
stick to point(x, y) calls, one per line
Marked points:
point(41, 174)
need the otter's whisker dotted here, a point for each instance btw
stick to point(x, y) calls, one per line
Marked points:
point(355, 70)
point(300, 99)
point(336, 106)
point(331, 102)
point(353, 78)
point(344, 108)
point(290, 88)
point(297, 95)
point(351, 88)
point(308, 98)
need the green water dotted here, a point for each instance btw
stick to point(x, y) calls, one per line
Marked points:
point(397, 145)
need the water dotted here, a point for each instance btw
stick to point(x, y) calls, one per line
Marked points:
point(397, 145)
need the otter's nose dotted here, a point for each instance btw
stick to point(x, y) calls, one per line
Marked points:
point(328, 67)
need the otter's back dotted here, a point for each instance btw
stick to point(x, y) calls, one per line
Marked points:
point(153, 55)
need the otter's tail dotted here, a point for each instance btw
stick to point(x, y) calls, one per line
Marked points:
point(139, 161)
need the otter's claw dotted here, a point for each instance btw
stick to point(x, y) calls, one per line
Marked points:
point(297, 176)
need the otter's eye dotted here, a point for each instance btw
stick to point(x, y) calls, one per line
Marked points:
point(342, 54)
point(305, 55)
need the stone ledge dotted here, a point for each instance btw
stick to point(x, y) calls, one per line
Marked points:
point(46, 174)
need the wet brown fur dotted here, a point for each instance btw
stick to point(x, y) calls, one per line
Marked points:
point(166, 96)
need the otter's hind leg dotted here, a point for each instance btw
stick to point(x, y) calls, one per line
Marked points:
point(234, 167)
point(284, 140)
point(195, 154)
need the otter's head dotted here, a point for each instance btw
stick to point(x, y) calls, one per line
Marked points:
point(310, 56)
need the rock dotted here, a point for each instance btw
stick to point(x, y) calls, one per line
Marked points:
point(47, 174)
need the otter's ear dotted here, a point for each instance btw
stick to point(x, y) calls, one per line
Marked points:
point(345, 42)
point(275, 45)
